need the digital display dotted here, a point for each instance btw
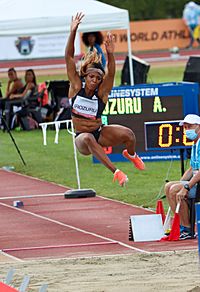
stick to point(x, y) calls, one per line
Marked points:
point(164, 135)
point(134, 112)
point(133, 106)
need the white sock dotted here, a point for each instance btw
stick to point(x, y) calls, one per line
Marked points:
point(133, 156)
point(116, 171)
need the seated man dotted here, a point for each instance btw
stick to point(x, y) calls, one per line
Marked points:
point(179, 191)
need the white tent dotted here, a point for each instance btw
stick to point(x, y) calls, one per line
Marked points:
point(22, 17)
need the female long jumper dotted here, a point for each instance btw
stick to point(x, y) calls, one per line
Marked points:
point(89, 99)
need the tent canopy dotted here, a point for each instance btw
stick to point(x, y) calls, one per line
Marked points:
point(36, 17)
point(22, 17)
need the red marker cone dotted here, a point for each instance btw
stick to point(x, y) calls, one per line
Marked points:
point(175, 231)
point(160, 210)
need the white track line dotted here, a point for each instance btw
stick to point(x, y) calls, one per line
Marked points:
point(59, 246)
point(126, 204)
point(10, 256)
point(60, 185)
point(45, 67)
point(75, 228)
point(33, 196)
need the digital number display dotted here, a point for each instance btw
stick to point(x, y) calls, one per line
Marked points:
point(164, 135)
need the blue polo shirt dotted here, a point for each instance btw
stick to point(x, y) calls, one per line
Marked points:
point(195, 156)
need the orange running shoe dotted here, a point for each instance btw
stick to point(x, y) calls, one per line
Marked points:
point(121, 177)
point(137, 161)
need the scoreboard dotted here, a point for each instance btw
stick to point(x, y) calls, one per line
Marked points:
point(165, 135)
point(132, 106)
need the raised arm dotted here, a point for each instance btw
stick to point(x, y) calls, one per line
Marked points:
point(13, 87)
point(108, 81)
point(27, 91)
point(75, 82)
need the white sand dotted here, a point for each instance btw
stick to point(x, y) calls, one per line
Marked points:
point(178, 271)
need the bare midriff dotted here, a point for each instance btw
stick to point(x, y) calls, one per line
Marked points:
point(85, 125)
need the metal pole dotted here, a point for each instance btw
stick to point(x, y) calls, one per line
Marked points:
point(130, 55)
point(57, 125)
point(75, 156)
point(9, 132)
point(182, 161)
point(198, 225)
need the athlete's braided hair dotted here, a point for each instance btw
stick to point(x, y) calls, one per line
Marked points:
point(91, 60)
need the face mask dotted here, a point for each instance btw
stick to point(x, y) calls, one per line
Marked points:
point(191, 134)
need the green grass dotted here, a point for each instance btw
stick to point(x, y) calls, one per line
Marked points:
point(166, 74)
point(56, 162)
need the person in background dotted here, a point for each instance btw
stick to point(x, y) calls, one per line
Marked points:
point(179, 191)
point(29, 88)
point(191, 17)
point(16, 99)
point(94, 40)
point(1, 95)
point(89, 101)
point(14, 84)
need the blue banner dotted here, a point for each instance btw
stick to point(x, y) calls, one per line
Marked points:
point(198, 224)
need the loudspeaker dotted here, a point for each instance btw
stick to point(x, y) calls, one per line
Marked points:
point(192, 70)
point(140, 71)
point(58, 90)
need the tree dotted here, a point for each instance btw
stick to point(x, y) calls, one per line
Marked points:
point(148, 9)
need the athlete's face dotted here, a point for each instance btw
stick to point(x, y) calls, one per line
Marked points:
point(93, 80)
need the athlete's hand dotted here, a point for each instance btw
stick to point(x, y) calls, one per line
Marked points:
point(109, 43)
point(76, 20)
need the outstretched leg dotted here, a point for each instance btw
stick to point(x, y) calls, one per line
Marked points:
point(86, 144)
point(113, 135)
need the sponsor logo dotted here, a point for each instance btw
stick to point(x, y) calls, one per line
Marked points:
point(24, 45)
point(85, 108)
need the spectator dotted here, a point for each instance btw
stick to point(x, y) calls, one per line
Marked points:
point(29, 88)
point(179, 191)
point(16, 99)
point(94, 40)
point(15, 84)
point(1, 95)
point(191, 14)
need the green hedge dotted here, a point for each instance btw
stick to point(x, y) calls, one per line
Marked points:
point(148, 9)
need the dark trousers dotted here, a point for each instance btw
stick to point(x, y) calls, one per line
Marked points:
point(6, 107)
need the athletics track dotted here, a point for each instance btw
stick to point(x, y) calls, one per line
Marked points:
point(50, 226)
point(52, 64)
